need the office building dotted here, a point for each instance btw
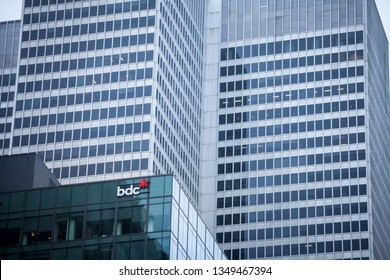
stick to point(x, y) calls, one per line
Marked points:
point(296, 129)
point(137, 219)
point(111, 89)
point(9, 49)
point(274, 114)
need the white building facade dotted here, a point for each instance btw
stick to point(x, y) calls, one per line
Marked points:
point(295, 164)
point(111, 89)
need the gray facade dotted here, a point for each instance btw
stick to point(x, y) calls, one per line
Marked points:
point(274, 114)
point(9, 51)
point(378, 113)
point(107, 89)
point(23, 172)
point(295, 163)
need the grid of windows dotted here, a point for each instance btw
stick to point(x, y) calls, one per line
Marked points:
point(290, 63)
point(295, 178)
point(76, 134)
point(83, 46)
point(179, 91)
point(108, 167)
point(299, 249)
point(83, 116)
point(67, 34)
point(294, 231)
point(296, 45)
point(7, 80)
point(6, 112)
point(9, 45)
point(92, 11)
point(290, 145)
point(9, 48)
point(286, 162)
point(91, 28)
point(180, 29)
point(292, 213)
point(84, 98)
point(291, 111)
point(5, 143)
point(301, 94)
point(282, 197)
point(86, 63)
point(87, 80)
point(288, 101)
point(5, 127)
point(379, 127)
point(270, 18)
point(289, 128)
point(7, 96)
point(278, 80)
point(93, 151)
point(235, 117)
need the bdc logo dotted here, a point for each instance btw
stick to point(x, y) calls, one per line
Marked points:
point(132, 189)
point(127, 191)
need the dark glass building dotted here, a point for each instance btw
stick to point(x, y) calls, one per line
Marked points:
point(139, 218)
point(35, 173)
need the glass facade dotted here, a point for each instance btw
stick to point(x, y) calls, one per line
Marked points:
point(293, 91)
point(139, 218)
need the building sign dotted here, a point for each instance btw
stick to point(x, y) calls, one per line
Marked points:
point(130, 190)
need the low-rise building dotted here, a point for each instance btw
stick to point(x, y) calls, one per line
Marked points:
point(138, 218)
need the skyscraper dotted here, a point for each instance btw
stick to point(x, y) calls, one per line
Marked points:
point(111, 89)
point(9, 49)
point(273, 114)
point(296, 129)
